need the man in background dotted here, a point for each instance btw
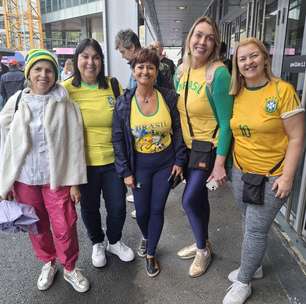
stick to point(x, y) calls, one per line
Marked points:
point(12, 81)
point(127, 42)
point(3, 68)
point(163, 57)
point(166, 68)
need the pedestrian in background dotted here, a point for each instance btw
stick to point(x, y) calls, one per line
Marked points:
point(149, 149)
point(127, 43)
point(267, 147)
point(3, 68)
point(92, 91)
point(205, 109)
point(166, 68)
point(12, 81)
point(43, 168)
point(67, 70)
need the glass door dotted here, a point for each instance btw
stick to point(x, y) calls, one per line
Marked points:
point(293, 71)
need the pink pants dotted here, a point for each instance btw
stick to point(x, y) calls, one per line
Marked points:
point(53, 206)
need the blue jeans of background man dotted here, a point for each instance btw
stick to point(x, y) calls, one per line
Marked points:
point(152, 173)
point(105, 179)
point(196, 204)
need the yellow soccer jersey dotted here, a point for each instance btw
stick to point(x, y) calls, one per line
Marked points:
point(199, 110)
point(97, 106)
point(260, 141)
point(151, 132)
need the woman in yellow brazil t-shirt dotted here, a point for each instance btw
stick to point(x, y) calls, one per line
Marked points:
point(268, 130)
point(92, 91)
point(205, 110)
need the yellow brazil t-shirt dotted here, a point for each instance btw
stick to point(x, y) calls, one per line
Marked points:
point(260, 141)
point(151, 132)
point(201, 115)
point(97, 106)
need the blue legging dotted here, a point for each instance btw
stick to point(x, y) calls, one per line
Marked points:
point(152, 172)
point(196, 204)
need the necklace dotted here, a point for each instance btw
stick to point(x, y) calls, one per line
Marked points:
point(147, 98)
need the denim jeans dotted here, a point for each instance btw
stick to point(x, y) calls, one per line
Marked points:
point(256, 223)
point(105, 179)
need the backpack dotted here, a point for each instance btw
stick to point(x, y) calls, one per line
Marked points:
point(115, 87)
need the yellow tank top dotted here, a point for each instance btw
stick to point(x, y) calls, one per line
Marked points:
point(201, 115)
point(151, 132)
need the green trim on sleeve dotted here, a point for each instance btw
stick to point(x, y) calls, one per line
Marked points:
point(222, 105)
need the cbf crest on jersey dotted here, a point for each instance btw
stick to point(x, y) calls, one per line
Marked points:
point(271, 104)
point(111, 101)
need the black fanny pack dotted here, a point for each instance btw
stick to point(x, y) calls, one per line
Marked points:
point(202, 155)
point(254, 185)
point(253, 188)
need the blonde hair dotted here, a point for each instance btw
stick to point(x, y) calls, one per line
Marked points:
point(237, 80)
point(68, 66)
point(214, 56)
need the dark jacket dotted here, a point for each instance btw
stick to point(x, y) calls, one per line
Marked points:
point(10, 83)
point(123, 140)
point(3, 69)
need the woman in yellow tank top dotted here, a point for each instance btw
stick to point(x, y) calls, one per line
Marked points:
point(149, 149)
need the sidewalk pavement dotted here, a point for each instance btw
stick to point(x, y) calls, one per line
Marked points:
point(128, 283)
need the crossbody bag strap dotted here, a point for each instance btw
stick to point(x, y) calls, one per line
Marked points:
point(270, 172)
point(185, 101)
point(187, 115)
point(276, 166)
point(17, 101)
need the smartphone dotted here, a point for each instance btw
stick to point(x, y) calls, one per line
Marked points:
point(174, 180)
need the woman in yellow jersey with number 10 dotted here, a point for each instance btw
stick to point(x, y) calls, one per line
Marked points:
point(268, 130)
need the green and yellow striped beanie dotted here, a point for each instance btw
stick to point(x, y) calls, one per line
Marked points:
point(36, 55)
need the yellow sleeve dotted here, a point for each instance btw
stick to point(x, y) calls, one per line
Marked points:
point(290, 103)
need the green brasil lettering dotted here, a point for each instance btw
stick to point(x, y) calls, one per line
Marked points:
point(192, 85)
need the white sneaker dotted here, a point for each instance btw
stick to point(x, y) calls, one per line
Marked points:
point(77, 280)
point(46, 276)
point(234, 274)
point(121, 250)
point(98, 257)
point(237, 293)
point(130, 198)
point(133, 214)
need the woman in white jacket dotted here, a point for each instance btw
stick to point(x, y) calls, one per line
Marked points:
point(42, 161)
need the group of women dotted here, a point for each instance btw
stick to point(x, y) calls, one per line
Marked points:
point(61, 144)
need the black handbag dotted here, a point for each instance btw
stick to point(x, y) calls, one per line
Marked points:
point(202, 154)
point(254, 185)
